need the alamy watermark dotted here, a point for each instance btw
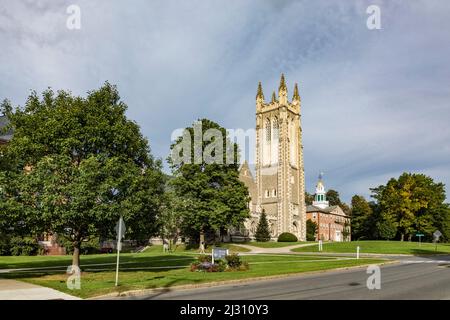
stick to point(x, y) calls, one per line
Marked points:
point(73, 21)
point(374, 20)
point(74, 280)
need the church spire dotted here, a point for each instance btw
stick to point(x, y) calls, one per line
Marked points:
point(282, 91)
point(282, 83)
point(274, 97)
point(259, 93)
point(296, 96)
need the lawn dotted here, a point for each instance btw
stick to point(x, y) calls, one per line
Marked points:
point(273, 244)
point(388, 247)
point(155, 270)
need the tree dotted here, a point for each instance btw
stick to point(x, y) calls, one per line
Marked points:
point(361, 214)
point(386, 228)
point(170, 220)
point(77, 164)
point(414, 202)
point(311, 230)
point(309, 198)
point(262, 230)
point(333, 197)
point(205, 166)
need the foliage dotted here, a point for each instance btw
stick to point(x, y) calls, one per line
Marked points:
point(311, 230)
point(233, 260)
point(361, 211)
point(212, 196)
point(287, 237)
point(77, 164)
point(262, 233)
point(24, 246)
point(333, 197)
point(413, 203)
point(309, 198)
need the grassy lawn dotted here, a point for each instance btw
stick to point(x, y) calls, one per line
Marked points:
point(389, 247)
point(273, 244)
point(154, 270)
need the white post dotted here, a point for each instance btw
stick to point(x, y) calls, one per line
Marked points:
point(119, 245)
point(320, 245)
point(357, 252)
point(212, 256)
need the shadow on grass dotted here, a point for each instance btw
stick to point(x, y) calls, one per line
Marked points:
point(94, 265)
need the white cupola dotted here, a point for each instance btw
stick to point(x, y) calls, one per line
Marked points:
point(320, 199)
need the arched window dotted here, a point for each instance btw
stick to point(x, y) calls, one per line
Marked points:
point(275, 129)
point(268, 130)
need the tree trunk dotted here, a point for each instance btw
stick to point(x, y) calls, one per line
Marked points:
point(76, 254)
point(202, 242)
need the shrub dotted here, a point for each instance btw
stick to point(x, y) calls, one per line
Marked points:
point(262, 231)
point(26, 246)
point(233, 261)
point(287, 237)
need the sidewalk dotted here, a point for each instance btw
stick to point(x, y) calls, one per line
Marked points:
point(17, 290)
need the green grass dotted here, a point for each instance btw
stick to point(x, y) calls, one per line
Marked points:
point(272, 244)
point(381, 247)
point(155, 270)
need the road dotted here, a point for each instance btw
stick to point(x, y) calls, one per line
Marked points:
point(411, 278)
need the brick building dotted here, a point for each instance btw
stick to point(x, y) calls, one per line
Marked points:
point(332, 222)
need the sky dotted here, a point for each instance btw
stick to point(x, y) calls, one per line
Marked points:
point(375, 102)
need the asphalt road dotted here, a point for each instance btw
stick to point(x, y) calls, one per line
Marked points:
point(411, 278)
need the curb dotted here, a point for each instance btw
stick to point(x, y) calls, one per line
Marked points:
point(142, 292)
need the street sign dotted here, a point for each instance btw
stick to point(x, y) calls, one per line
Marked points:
point(120, 228)
point(219, 253)
point(437, 234)
point(419, 234)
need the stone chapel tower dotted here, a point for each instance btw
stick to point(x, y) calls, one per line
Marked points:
point(280, 180)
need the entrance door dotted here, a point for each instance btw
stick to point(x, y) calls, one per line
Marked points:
point(338, 236)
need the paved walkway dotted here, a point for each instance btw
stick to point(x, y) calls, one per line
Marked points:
point(285, 250)
point(18, 290)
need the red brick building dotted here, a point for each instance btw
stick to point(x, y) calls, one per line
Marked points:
point(332, 222)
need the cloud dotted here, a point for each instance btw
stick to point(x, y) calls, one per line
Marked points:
point(374, 103)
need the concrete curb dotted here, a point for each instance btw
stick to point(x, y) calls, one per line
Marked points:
point(142, 292)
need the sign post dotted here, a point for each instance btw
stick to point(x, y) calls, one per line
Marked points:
point(320, 245)
point(357, 252)
point(436, 235)
point(218, 253)
point(120, 230)
point(420, 235)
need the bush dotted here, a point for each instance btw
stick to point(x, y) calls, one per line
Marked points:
point(262, 231)
point(26, 246)
point(5, 245)
point(287, 237)
point(233, 261)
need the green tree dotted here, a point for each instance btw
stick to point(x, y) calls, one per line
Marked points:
point(361, 213)
point(309, 198)
point(262, 230)
point(415, 203)
point(77, 164)
point(205, 164)
point(333, 197)
point(386, 228)
point(311, 230)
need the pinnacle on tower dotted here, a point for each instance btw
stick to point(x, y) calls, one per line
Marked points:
point(282, 83)
point(274, 97)
point(296, 95)
point(260, 94)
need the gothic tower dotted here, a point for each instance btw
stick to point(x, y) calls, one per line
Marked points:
point(280, 179)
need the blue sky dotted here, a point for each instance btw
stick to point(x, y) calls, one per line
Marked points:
point(375, 103)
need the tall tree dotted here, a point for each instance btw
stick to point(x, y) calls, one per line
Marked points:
point(413, 201)
point(333, 197)
point(77, 164)
point(360, 221)
point(205, 166)
point(311, 230)
point(262, 230)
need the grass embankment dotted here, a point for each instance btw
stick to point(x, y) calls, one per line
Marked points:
point(273, 244)
point(380, 247)
point(156, 270)
point(183, 248)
